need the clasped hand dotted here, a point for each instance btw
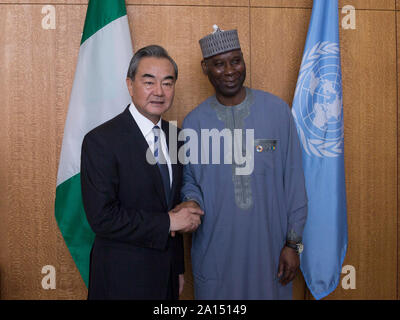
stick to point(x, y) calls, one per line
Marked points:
point(185, 217)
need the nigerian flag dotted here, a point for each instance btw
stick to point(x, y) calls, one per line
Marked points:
point(98, 94)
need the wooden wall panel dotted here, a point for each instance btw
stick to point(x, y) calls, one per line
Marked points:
point(4, 177)
point(181, 40)
point(38, 71)
point(41, 3)
point(282, 3)
point(230, 3)
point(358, 4)
point(215, 3)
point(277, 48)
point(370, 110)
point(398, 144)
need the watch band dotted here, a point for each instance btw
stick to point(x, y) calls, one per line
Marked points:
point(296, 246)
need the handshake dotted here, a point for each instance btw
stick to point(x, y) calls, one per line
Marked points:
point(185, 217)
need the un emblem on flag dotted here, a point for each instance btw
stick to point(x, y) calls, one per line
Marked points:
point(318, 97)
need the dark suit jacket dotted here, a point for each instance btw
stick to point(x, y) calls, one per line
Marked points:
point(133, 255)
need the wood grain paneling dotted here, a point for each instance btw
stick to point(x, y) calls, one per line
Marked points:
point(282, 3)
point(398, 145)
point(215, 3)
point(37, 71)
point(181, 40)
point(4, 177)
point(358, 4)
point(370, 110)
point(229, 3)
point(277, 48)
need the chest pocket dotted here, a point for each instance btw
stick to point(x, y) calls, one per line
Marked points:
point(264, 155)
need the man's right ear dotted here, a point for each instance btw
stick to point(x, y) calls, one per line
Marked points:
point(129, 85)
point(204, 67)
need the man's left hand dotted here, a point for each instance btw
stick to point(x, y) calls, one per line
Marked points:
point(289, 262)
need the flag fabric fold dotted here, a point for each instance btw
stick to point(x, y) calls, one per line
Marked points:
point(98, 94)
point(318, 112)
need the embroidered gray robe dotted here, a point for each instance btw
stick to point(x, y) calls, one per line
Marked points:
point(236, 249)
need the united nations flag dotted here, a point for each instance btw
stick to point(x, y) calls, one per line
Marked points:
point(318, 113)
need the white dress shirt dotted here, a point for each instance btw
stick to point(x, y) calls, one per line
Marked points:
point(146, 127)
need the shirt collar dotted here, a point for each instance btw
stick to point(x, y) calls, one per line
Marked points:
point(144, 124)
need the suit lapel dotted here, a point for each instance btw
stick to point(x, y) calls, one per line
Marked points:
point(139, 146)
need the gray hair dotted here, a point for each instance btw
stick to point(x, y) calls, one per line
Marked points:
point(149, 51)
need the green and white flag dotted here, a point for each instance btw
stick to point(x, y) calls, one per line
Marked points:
point(98, 94)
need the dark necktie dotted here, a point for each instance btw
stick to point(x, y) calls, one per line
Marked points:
point(161, 162)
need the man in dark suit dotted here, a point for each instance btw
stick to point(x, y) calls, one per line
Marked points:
point(130, 187)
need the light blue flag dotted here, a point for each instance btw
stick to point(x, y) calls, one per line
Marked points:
point(318, 112)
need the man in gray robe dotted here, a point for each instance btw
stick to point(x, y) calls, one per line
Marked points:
point(249, 241)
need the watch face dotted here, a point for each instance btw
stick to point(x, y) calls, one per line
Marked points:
point(300, 248)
